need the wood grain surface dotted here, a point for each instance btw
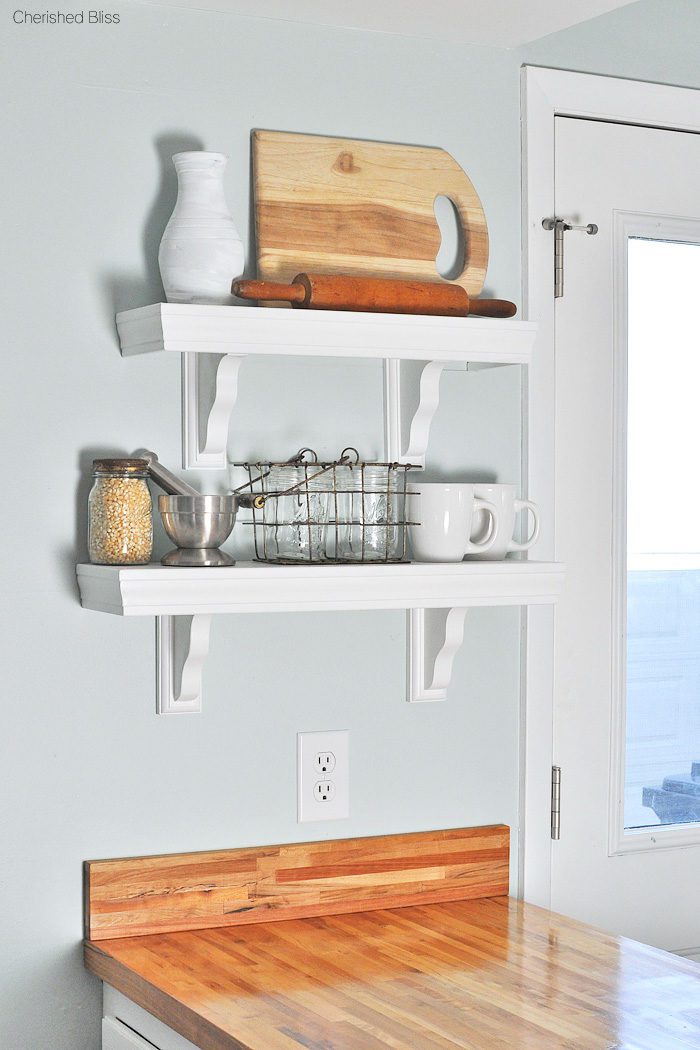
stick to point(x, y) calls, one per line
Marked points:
point(484, 974)
point(374, 295)
point(347, 206)
point(188, 891)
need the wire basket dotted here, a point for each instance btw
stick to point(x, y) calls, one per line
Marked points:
point(341, 511)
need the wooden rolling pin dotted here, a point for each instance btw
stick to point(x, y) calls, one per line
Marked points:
point(373, 294)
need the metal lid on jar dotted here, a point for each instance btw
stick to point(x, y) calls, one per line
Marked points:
point(127, 467)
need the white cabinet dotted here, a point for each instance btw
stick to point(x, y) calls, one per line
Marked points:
point(125, 1026)
point(116, 1036)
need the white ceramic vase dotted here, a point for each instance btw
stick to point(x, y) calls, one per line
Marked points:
point(201, 252)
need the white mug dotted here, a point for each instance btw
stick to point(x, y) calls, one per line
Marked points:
point(503, 497)
point(445, 514)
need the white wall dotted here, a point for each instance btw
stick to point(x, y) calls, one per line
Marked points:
point(87, 770)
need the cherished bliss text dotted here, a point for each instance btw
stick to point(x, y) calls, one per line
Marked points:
point(52, 18)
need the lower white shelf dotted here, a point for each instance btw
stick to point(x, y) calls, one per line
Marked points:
point(437, 597)
point(158, 590)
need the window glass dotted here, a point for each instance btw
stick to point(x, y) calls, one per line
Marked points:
point(662, 767)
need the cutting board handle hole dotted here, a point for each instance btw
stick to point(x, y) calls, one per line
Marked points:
point(449, 261)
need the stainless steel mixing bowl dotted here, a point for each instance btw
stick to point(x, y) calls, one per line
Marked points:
point(196, 524)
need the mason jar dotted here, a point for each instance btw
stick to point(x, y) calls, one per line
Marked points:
point(294, 522)
point(120, 513)
point(370, 515)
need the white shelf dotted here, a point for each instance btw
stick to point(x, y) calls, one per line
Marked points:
point(157, 590)
point(243, 330)
point(215, 340)
point(436, 595)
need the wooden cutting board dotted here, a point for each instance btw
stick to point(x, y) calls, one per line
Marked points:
point(335, 205)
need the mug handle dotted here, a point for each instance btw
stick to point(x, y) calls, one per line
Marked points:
point(490, 538)
point(526, 504)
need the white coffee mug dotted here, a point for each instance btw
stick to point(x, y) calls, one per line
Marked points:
point(503, 498)
point(445, 514)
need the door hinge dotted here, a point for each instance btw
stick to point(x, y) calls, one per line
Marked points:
point(555, 811)
point(560, 227)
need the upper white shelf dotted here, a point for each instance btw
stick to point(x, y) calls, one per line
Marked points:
point(156, 590)
point(243, 330)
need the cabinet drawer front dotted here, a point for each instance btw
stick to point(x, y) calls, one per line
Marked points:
point(116, 1036)
point(141, 1030)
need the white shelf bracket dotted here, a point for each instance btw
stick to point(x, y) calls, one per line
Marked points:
point(434, 639)
point(182, 646)
point(411, 398)
point(209, 392)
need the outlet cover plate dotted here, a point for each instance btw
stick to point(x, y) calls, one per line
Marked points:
point(309, 746)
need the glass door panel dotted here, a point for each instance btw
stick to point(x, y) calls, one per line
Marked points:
point(662, 761)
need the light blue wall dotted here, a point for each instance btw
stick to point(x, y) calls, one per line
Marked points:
point(657, 40)
point(87, 770)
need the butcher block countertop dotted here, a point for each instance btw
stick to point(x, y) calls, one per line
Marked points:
point(480, 973)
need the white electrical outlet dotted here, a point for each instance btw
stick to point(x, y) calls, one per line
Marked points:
point(325, 762)
point(324, 791)
point(323, 776)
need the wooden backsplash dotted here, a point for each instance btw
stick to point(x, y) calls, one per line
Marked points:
point(190, 891)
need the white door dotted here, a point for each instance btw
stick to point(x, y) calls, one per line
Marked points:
point(627, 491)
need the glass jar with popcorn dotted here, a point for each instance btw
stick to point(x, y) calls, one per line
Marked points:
point(120, 513)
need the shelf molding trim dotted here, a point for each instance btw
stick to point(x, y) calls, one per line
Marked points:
point(249, 587)
point(178, 328)
point(182, 647)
